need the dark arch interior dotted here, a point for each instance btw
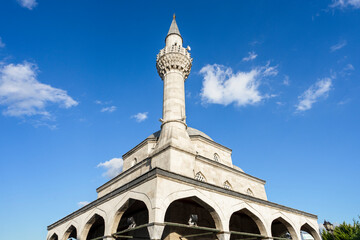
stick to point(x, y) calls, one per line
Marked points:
point(54, 237)
point(73, 232)
point(278, 229)
point(179, 211)
point(97, 228)
point(241, 222)
point(139, 212)
point(306, 229)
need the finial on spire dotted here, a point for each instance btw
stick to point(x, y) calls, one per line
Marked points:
point(173, 27)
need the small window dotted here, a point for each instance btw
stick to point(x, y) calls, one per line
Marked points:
point(249, 192)
point(227, 185)
point(134, 162)
point(216, 157)
point(200, 177)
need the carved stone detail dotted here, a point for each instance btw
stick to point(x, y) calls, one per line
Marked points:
point(173, 58)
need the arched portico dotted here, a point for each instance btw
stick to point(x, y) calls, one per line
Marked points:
point(180, 212)
point(211, 206)
point(94, 227)
point(54, 236)
point(247, 209)
point(123, 205)
point(132, 214)
point(310, 230)
point(246, 221)
point(71, 232)
point(281, 227)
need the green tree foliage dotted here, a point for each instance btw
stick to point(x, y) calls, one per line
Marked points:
point(343, 232)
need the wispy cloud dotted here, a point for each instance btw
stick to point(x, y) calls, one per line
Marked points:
point(252, 56)
point(2, 44)
point(23, 95)
point(345, 4)
point(349, 67)
point(139, 117)
point(222, 86)
point(286, 80)
point(109, 109)
point(342, 102)
point(113, 167)
point(83, 203)
point(29, 4)
point(338, 46)
point(318, 90)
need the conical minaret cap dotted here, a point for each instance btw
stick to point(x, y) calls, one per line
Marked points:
point(173, 28)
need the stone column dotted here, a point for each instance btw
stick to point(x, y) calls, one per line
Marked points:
point(155, 231)
point(223, 236)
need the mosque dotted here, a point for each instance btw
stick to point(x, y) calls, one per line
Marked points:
point(180, 184)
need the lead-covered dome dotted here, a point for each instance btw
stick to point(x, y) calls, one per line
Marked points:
point(191, 131)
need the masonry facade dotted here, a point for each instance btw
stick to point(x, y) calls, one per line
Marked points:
point(180, 184)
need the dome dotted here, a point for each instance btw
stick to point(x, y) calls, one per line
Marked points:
point(191, 131)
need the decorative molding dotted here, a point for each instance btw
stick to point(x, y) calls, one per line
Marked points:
point(174, 57)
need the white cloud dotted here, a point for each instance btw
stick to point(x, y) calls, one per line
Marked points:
point(318, 90)
point(222, 86)
point(83, 203)
point(139, 117)
point(338, 46)
point(349, 67)
point(98, 102)
point(113, 167)
point(29, 4)
point(24, 95)
point(342, 102)
point(252, 56)
point(108, 109)
point(2, 44)
point(286, 81)
point(345, 3)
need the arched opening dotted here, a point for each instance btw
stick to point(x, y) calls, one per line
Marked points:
point(70, 233)
point(308, 233)
point(244, 221)
point(54, 237)
point(182, 212)
point(281, 228)
point(97, 228)
point(134, 213)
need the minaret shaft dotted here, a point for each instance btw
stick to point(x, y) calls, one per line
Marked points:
point(174, 97)
point(174, 64)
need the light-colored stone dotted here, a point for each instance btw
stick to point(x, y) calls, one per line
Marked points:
point(182, 166)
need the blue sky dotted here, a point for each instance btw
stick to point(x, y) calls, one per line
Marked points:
point(276, 81)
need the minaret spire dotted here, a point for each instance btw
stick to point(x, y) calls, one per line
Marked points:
point(173, 27)
point(173, 64)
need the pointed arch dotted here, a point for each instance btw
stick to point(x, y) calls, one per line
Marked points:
point(280, 224)
point(306, 227)
point(122, 205)
point(70, 232)
point(252, 213)
point(54, 236)
point(210, 205)
point(96, 216)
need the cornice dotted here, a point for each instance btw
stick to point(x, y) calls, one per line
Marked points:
point(157, 172)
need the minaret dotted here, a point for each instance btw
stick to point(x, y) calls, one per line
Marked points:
point(173, 64)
